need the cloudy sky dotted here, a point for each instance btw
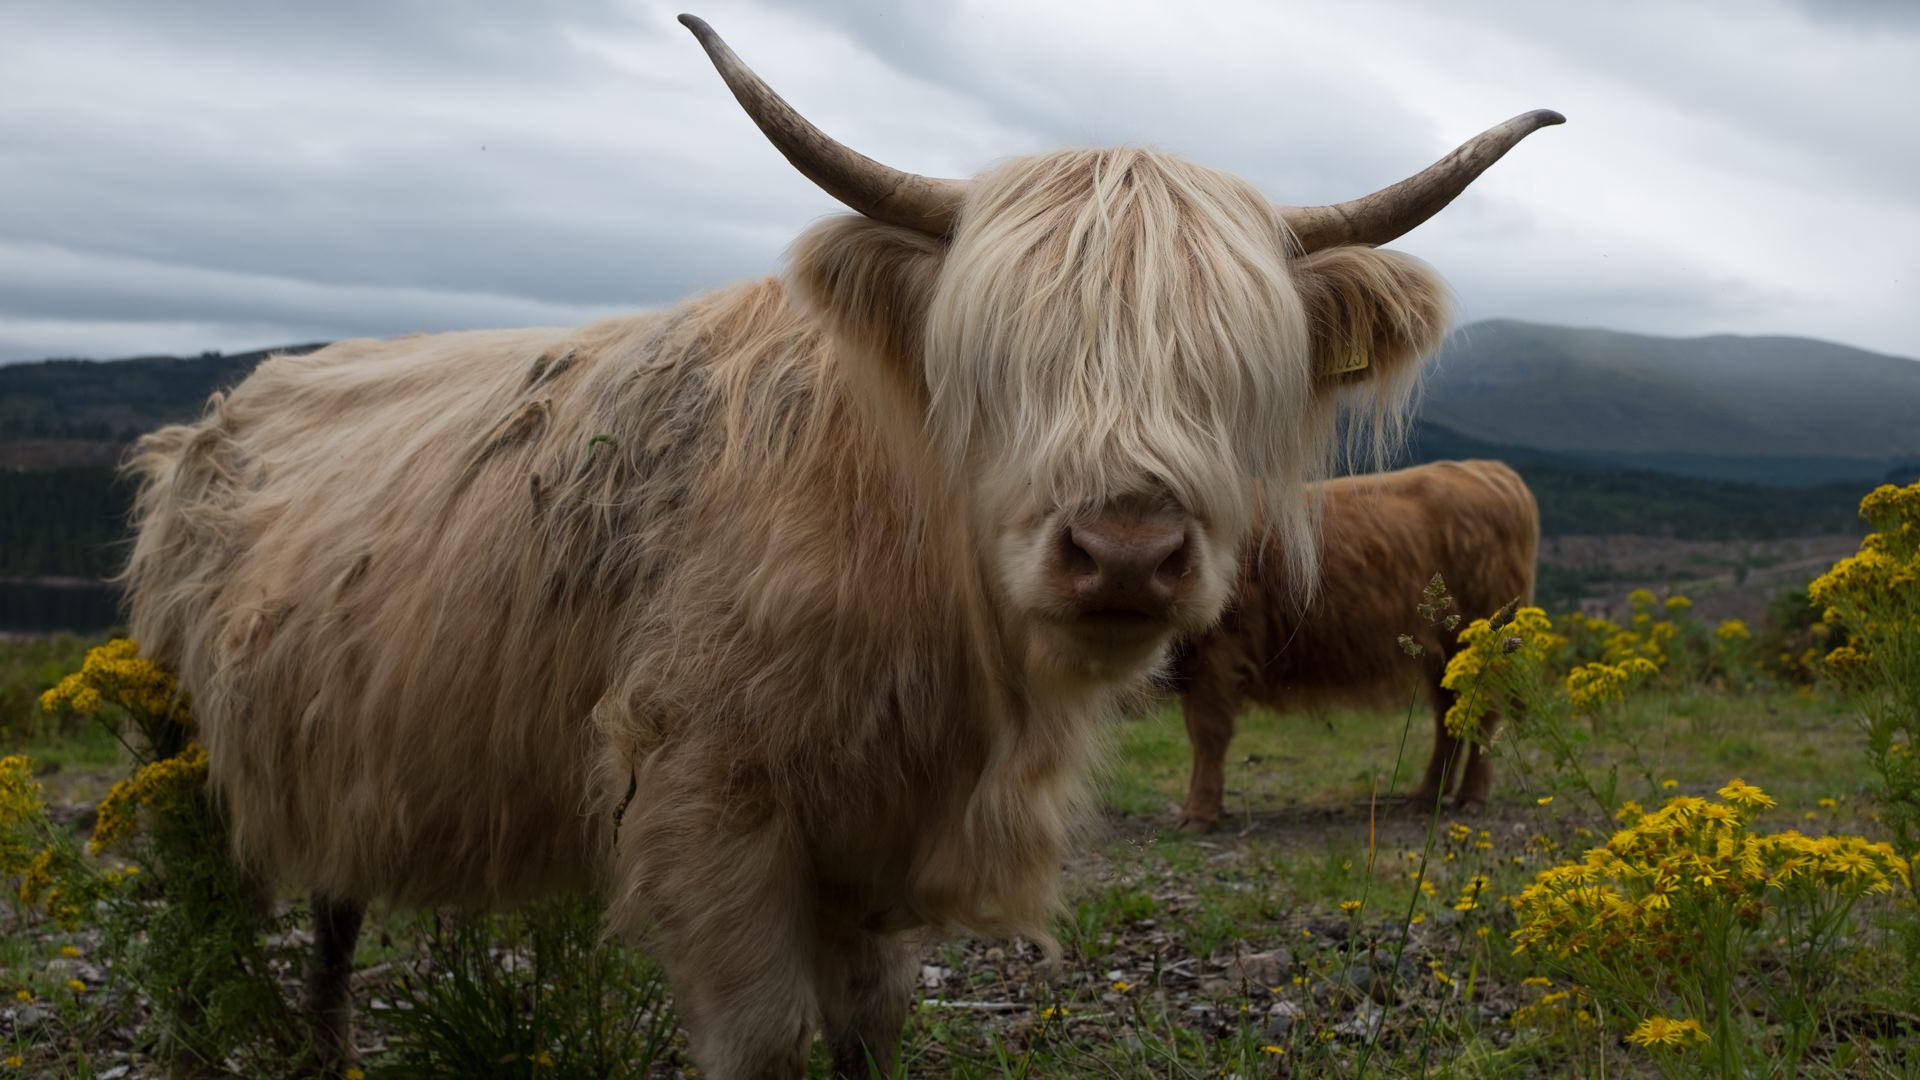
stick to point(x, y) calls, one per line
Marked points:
point(226, 175)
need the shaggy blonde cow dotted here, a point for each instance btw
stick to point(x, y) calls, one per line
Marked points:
point(784, 616)
point(1384, 536)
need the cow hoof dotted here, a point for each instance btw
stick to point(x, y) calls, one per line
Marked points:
point(1423, 801)
point(1469, 806)
point(1191, 824)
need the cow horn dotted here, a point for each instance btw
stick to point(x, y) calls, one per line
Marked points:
point(1393, 211)
point(926, 203)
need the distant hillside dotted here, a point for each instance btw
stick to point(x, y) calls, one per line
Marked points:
point(82, 412)
point(1774, 410)
point(1581, 497)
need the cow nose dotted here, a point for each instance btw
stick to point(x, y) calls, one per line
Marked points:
point(1121, 562)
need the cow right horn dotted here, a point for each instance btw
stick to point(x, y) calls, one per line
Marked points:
point(926, 203)
point(1394, 211)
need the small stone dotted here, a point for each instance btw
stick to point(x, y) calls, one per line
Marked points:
point(29, 1017)
point(116, 1072)
point(1268, 968)
point(932, 976)
point(1363, 1021)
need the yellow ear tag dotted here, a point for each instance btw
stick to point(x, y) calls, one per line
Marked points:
point(1354, 359)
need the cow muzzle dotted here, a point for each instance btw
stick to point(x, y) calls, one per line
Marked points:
point(1125, 565)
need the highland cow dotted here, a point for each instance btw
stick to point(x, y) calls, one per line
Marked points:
point(1384, 537)
point(784, 616)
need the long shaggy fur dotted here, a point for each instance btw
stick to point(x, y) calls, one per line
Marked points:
point(717, 607)
point(1386, 535)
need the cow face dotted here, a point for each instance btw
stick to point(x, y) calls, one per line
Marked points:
point(1114, 359)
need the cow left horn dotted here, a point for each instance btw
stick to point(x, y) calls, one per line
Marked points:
point(1392, 212)
point(926, 203)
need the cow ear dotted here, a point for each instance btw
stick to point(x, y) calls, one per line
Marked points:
point(871, 283)
point(1373, 316)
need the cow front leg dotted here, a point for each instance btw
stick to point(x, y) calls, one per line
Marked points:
point(865, 986)
point(735, 933)
point(336, 932)
point(1209, 731)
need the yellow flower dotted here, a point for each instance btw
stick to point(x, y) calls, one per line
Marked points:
point(543, 1059)
point(1543, 800)
point(1732, 630)
point(1122, 985)
point(76, 986)
point(1677, 602)
point(24, 996)
point(1052, 1011)
point(1661, 1031)
point(1350, 906)
point(1272, 1049)
point(69, 951)
point(1669, 785)
point(1536, 980)
point(158, 783)
point(1742, 794)
point(15, 1061)
point(354, 1073)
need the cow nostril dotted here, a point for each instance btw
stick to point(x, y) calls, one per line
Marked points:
point(1075, 559)
point(1174, 566)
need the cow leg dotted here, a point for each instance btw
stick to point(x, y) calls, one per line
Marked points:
point(1476, 784)
point(865, 986)
point(735, 945)
point(1447, 749)
point(1209, 730)
point(336, 931)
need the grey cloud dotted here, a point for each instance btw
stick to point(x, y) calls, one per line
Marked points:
point(226, 172)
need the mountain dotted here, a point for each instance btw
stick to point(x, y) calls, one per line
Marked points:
point(1770, 410)
point(1764, 410)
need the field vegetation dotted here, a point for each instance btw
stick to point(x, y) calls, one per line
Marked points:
point(1696, 863)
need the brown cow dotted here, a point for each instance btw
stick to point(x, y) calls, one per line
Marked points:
point(1384, 537)
point(786, 616)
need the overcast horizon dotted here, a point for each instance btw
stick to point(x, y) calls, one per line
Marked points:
point(233, 176)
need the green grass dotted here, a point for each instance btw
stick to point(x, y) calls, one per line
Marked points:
point(1230, 953)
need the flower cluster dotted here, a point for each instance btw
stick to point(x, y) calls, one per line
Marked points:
point(32, 850)
point(1651, 886)
point(1598, 683)
point(21, 805)
point(116, 674)
point(1494, 660)
point(1657, 1031)
point(1556, 1010)
point(1877, 591)
point(158, 784)
point(1731, 630)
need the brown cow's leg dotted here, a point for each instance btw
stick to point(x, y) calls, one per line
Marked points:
point(336, 930)
point(1476, 786)
point(1209, 730)
point(865, 985)
point(1447, 750)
